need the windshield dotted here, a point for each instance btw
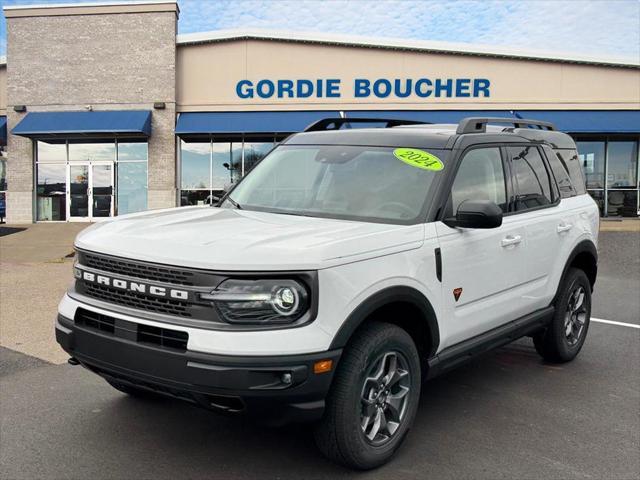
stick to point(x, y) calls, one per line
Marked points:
point(344, 182)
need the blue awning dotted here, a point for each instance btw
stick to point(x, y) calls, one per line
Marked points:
point(205, 123)
point(84, 124)
point(3, 130)
point(589, 121)
point(571, 121)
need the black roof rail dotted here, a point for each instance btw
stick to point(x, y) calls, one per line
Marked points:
point(337, 123)
point(479, 124)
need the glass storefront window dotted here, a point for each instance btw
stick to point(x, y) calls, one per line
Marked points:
point(52, 152)
point(196, 157)
point(3, 174)
point(132, 187)
point(94, 176)
point(622, 165)
point(194, 197)
point(211, 167)
point(51, 192)
point(223, 168)
point(254, 152)
point(622, 203)
point(131, 151)
point(92, 152)
point(591, 155)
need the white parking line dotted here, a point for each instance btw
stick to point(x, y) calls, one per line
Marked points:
point(611, 322)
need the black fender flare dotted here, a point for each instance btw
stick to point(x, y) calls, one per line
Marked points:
point(585, 246)
point(384, 297)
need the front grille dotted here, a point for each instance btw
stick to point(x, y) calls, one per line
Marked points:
point(139, 270)
point(162, 337)
point(140, 301)
point(95, 321)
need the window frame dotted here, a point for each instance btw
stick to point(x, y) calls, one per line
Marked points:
point(548, 152)
point(448, 184)
point(553, 187)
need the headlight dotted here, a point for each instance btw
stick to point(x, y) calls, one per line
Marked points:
point(260, 301)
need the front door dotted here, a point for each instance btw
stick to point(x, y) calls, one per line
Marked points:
point(90, 191)
point(482, 269)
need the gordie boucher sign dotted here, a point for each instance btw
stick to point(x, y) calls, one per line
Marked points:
point(366, 88)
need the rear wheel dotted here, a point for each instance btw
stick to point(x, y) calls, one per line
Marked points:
point(373, 400)
point(565, 335)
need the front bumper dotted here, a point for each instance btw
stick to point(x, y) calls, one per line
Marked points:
point(273, 390)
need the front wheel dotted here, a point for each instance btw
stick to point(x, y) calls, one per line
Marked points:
point(565, 335)
point(373, 400)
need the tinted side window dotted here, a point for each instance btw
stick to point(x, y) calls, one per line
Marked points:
point(531, 179)
point(479, 177)
point(561, 174)
point(571, 162)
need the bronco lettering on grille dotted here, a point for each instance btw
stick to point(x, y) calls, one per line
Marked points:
point(132, 286)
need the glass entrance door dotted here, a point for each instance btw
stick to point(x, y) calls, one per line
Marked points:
point(90, 190)
point(78, 191)
point(101, 191)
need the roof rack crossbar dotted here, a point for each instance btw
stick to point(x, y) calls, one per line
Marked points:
point(337, 123)
point(479, 124)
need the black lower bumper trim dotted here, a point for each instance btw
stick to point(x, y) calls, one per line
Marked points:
point(273, 390)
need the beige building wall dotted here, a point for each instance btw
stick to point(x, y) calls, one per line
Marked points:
point(66, 59)
point(207, 75)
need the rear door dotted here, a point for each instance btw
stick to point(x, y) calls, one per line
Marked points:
point(482, 269)
point(537, 209)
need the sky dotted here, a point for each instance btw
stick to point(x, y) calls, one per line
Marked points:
point(603, 28)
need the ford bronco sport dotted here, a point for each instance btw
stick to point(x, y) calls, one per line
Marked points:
point(350, 265)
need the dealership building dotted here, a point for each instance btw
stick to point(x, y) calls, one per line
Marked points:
point(106, 110)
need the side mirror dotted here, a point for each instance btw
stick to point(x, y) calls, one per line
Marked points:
point(476, 214)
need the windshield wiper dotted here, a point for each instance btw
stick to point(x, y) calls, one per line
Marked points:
point(235, 204)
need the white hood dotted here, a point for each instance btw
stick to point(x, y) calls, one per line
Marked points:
point(225, 239)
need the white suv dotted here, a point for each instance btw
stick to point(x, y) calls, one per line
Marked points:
point(347, 267)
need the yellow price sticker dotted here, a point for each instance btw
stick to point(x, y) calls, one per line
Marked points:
point(419, 159)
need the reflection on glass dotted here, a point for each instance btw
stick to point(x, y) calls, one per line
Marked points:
point(3, 174)
point(51, 192)
point(254, 152)
point(224, 169)
point(92, 152)
point(622, 164)
point(132, 187)
point(132, 151)
point(622, 203)
point(101, 190)
point(52, 152)
point(195, 165)
point(79, 189)
point(591, 155)
point(194, 197)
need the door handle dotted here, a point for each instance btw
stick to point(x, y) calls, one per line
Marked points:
point(511, 240)
point(564, 227)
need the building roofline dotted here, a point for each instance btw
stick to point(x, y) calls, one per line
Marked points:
point(402, 44)
point(88, 4)
point(3, 61)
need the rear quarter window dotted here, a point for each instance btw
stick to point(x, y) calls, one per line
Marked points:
point(571, 162)
point(531, 178)
point(561, 174)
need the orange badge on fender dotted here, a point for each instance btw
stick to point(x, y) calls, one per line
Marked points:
point(456, 293)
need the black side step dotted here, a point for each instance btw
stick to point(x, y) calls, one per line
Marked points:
point(466, 350)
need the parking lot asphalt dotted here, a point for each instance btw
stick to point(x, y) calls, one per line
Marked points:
point(506, 415)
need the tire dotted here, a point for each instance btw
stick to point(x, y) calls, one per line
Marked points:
point(140, 393)
point(565, 335)
point(365, 365)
